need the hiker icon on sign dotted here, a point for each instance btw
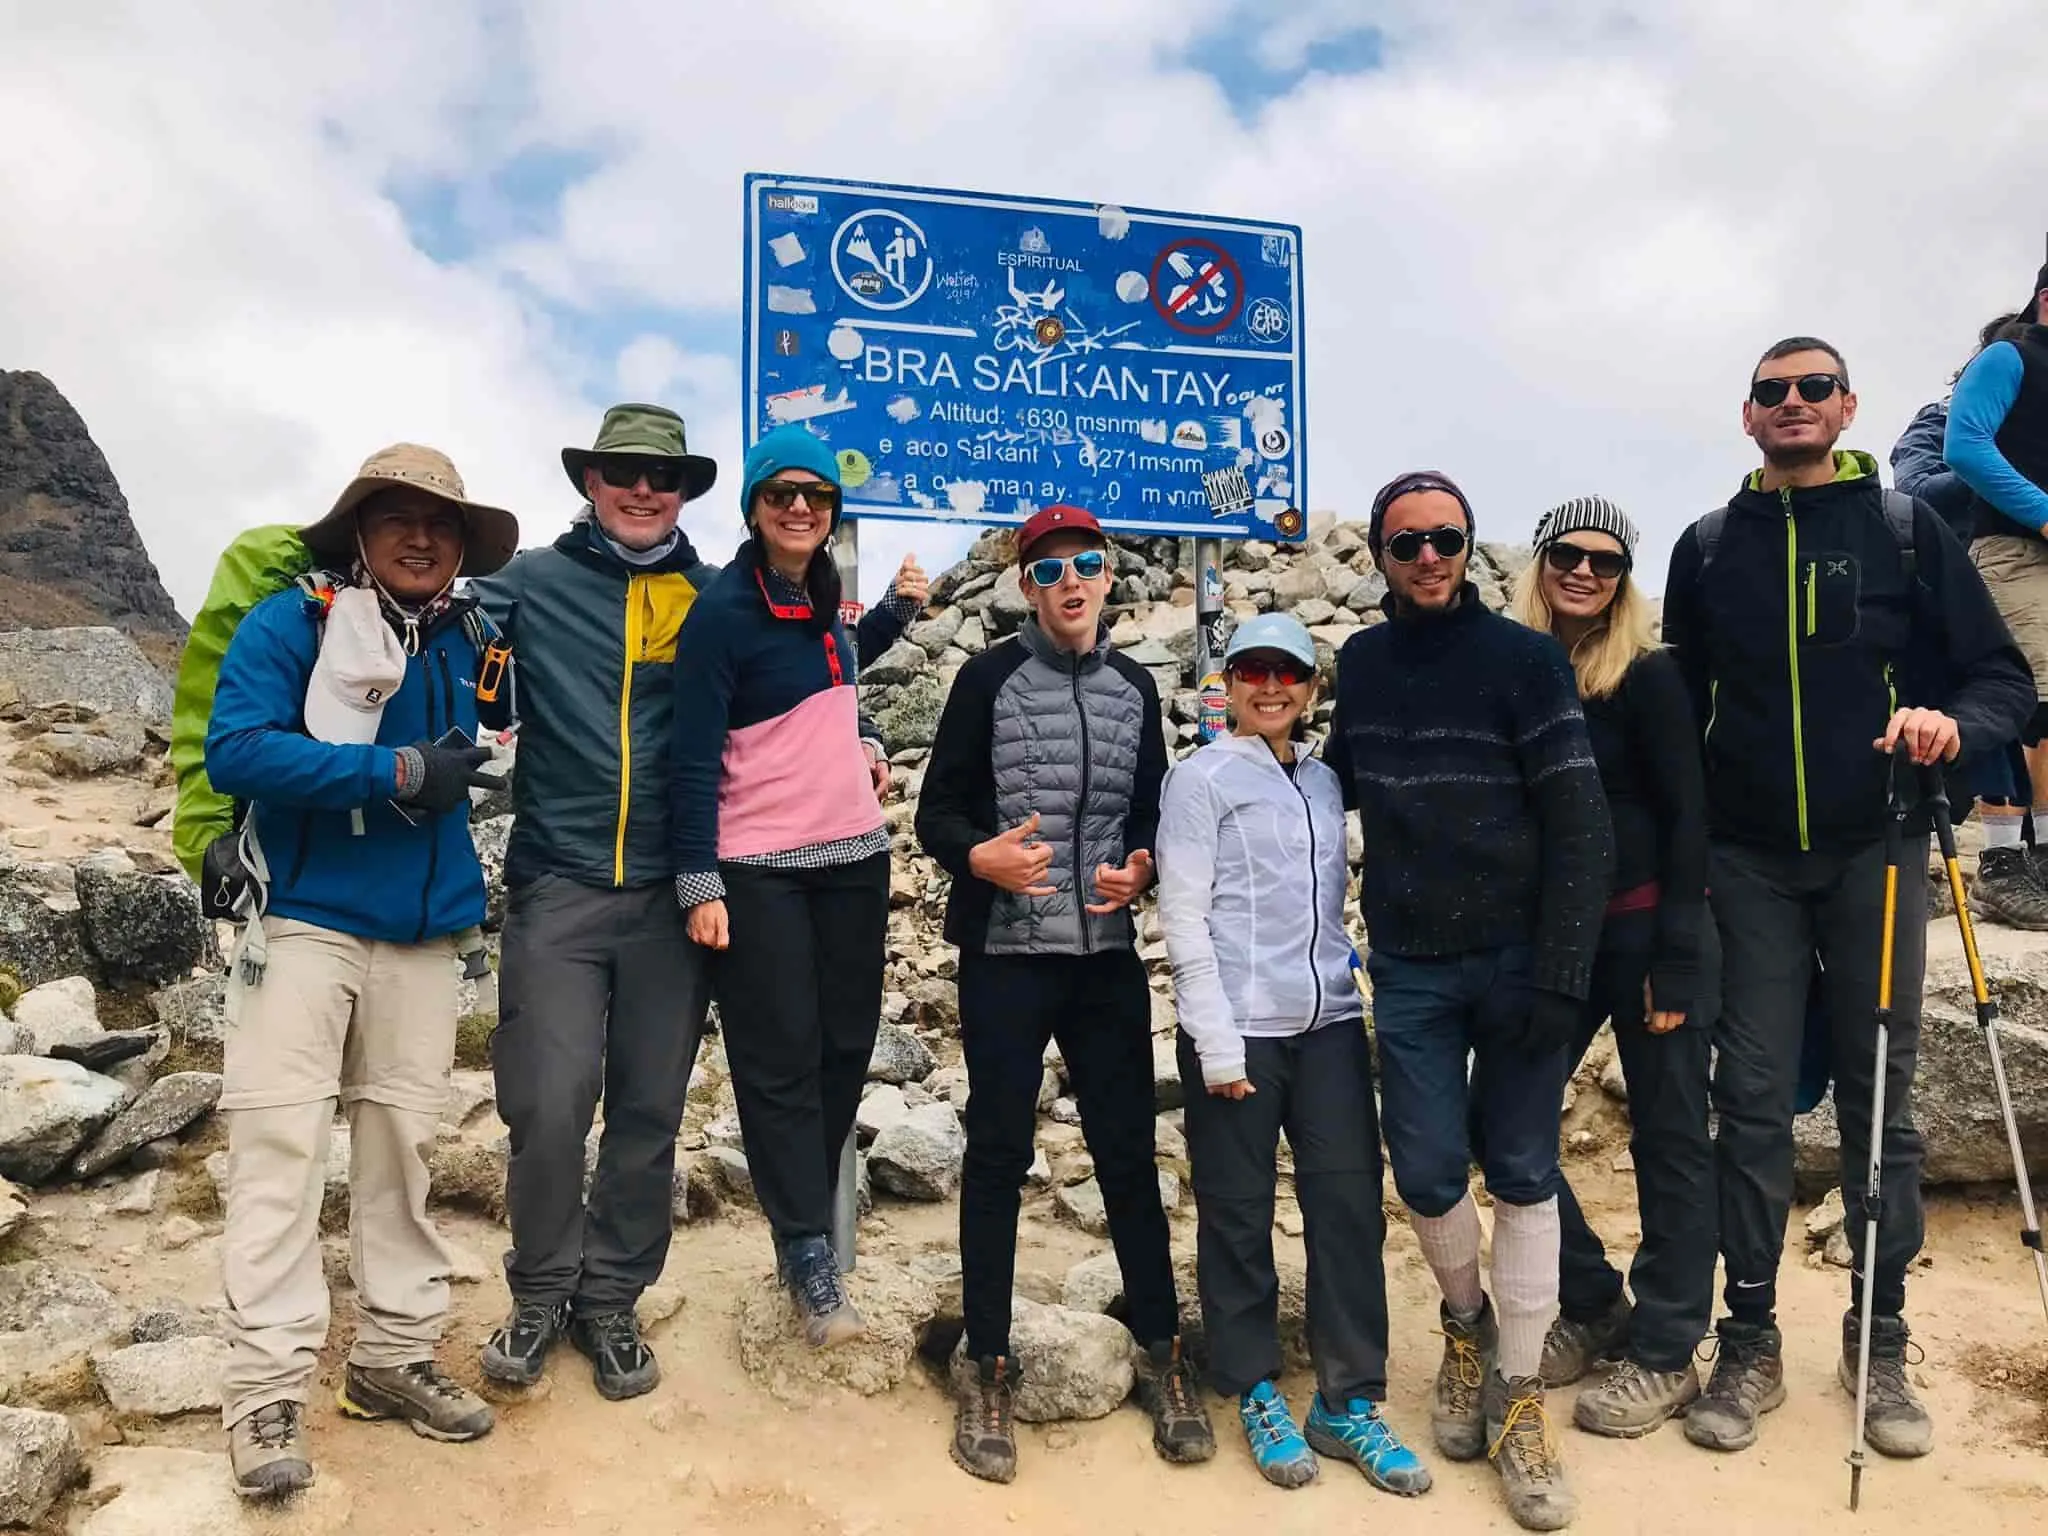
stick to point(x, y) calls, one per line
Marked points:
point(882, 259)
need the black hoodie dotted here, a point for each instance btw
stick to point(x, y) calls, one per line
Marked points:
point(1804, 635)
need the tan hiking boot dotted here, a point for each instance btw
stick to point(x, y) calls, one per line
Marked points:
point(984, 1418)
point(268, 1454)
point(1572, 1348)
point(1633, 1400)
point(435, 1405)
point(1456, 1416)
point(1531, 1472)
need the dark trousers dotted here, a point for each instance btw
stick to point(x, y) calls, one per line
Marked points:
point(1672, 1274)
point(1775, 911)
point(799, 1000)
point(1099, 1009)
point(1318, 1088)
point(601, 993)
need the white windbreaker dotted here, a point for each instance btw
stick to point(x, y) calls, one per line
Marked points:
point(1251, 895)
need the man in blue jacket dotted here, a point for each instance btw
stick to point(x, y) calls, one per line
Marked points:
point(333, 724)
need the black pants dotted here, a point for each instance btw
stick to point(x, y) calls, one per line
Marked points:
point(1318, 1087)
point(1099, 1009)
point(601, 992)
point(1775, 911)
point(799, 1000)
point(1672, 1273)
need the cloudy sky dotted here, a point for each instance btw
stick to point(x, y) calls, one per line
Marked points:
point(1543, 240)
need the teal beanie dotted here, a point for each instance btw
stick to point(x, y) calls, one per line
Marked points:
point(790, 447)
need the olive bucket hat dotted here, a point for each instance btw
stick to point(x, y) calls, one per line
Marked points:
point(490, 534)
point(642, 432)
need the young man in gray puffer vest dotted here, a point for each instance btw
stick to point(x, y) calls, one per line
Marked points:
point(1041, 800)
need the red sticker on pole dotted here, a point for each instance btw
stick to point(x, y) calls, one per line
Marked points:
point(1197, 287)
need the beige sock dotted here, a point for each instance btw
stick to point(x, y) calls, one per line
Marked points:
point(1525, 1245)
point(1450, 1243)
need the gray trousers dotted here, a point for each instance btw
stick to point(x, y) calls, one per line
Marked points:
point(601, 994)
point(1318, 1087)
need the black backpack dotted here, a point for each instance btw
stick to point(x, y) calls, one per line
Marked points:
point(1898, 516)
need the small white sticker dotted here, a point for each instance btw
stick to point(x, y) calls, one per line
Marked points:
point(1132, 287)
point(1191, 434)
point(844, 343)
point(790, 301)
point(788, 249)
point(1112, 222)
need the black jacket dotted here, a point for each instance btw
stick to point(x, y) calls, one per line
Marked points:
point(1804, 634)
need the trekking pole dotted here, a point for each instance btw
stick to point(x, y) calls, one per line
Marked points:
point(1873, 1188)
point(1987, 1020)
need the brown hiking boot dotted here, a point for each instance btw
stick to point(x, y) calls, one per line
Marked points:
point(1895, 1422)
point(1748, 1382)
point(1166, 1387)
point(267, 1454)
point(1572, 1348)
point(1456, 1416)
point(1531, 1472)
point(1634, 1400)
point(984, 1420)
point(435, 1405)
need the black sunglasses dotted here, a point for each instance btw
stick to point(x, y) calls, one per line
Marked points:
point(818, 495)
point(1813, 388)
point(664, 477)
point(1566, 558)
point(1405, 547)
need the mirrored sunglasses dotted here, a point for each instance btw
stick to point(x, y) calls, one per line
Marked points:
point(1051, 570)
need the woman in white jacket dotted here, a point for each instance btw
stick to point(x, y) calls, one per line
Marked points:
point(1252, 875)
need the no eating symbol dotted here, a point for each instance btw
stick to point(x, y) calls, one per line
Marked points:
point(1208, 288)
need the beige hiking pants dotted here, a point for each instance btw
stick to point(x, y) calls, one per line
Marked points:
point(371, 1027)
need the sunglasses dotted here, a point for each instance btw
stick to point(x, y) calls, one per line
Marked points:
point(781, 495)
point(1566, 558)
point(1051, 570)
point(664, 477)
point(1257, 671)
point(1405, 547)
point(1813, 388)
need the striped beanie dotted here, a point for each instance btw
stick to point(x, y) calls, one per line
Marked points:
point(1589, 514)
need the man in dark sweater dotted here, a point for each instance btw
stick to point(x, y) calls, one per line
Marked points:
point(1814, 642)
point(1459, 740)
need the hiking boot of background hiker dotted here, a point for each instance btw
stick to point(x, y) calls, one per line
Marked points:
point(2009, 890)
point(1633, 1400)
point(435, 1405)
point(268, 1453)
point(517, 1352)
point(1895, 1422)
point(1456, 1416)
point(623, 1365)
point(984, 1418)
point(1572, 1348)
point(1166, 1389)
point(1748, 1382)
point(1278, 1450)
point(1519, 1442)
point(1358, 1434)
point(810, 1271)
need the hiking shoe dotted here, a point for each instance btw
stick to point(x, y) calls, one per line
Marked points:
point(622, 1363)
point(1531, 1473)
point(810, 1271)
point(436, 1405)
point(1282, 1456)
point(1166, 1388)
point(1895, 1423)
point(1634, 1400)
point(267, 1453)
point(1455, 1414)
point(984, 1418)
point(518, 1351)
point(1748, 1382)
point(2008, 890)
point(1358, 1434)
point(1572, 1347)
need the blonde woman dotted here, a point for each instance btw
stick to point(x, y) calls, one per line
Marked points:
point(1655, 976)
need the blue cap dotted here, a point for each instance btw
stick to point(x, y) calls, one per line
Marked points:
point(790, 447)
point(1280, 632)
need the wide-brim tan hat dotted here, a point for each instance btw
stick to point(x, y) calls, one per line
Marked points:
point(491, 534)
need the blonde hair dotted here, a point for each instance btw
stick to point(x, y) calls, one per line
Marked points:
point(1618, 639)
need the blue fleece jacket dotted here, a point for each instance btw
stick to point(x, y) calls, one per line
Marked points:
point(1984, 394)
point(394, 881)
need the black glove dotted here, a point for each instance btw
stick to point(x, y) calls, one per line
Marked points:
point(1553, 1018)
point(439, 779)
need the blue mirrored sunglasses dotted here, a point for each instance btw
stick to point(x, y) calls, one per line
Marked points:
point(1051, 570)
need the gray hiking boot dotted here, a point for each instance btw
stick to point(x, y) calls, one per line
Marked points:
point(1748, 1382)
point(267, 1453)
point(1896, 1422)
point(984, 1418)
point(436, 1405)
point(1181, 1430)
point(1456, 1416)
point(1634, 1400)
point(1572, 1348)
point(810, 1271)
point(2008, 890)
point(1531, 1472)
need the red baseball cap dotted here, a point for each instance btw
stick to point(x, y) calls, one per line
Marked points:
point(1055, 519)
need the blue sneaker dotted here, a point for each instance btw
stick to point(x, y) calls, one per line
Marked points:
point(1283, 1457)
point(1360, 1436)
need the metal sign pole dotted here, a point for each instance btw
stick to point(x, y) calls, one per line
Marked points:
point(1213, 719)
point(845, 1192)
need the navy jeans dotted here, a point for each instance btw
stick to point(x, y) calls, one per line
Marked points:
point(1448, 1032)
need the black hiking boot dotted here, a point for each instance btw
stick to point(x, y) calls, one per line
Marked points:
point(1895, 1422)
point(1572, 1348)
point(984, 1418)
point(810, 1272)
point(1456, 1415)
point(624, 1365)
point(1748, 1382)
point(2009, 890)
point(517, 1352)
point(1166, 1387)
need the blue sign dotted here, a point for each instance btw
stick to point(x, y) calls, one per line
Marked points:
point(975, 358)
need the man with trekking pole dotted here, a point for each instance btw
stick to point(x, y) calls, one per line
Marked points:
point(1824, 623)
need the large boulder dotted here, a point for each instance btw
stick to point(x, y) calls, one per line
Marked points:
point(1070, 1365)
point(911, 717)
point(39, 940)
point(39, 1459)
point(82, 752)
point(896, 1304)
point(163, 1380)
point(899, 1057)
point(151, 1491)
point(165, 1108)
point(144, 928)
point(50, 1320)
point(48, 1110)
point(97, 667)
point(919, 1157)
point(62, 1012)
